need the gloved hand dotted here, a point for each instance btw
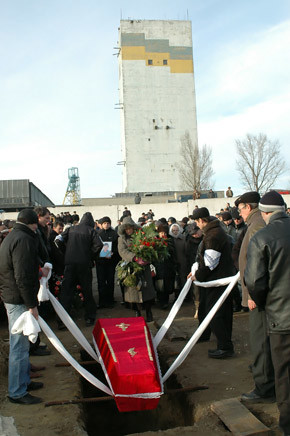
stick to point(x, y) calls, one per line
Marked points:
point(140, 261)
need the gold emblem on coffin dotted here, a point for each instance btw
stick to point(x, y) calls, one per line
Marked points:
point(132, 352)
point(123, 326)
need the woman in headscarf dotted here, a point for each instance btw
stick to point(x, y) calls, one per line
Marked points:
point(180, 246)
point(146, 294)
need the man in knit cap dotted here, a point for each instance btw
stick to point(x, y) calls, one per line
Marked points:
point(267, 277)
point(262, 367)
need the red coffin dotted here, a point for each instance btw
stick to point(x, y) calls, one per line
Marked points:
point(129, 361)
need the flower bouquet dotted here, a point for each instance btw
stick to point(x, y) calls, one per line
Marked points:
point(148, 248)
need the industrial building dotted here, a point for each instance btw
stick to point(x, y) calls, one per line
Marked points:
point(157, 101)
point(19, 194)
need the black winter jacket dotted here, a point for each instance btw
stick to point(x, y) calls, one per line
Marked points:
point(215, 239)
point(167, 268)
point(191, 250)
point(82, 243)
point(43, 245)
point(19, 267)
point(56, 254)
point(267, 273)
point(109, 235)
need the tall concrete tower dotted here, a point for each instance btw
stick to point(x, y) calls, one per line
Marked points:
point(157, 101)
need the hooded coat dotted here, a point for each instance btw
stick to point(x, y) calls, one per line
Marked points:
point(82, 242)
point(180, 247)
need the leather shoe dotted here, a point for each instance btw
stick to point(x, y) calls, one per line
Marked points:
point(42, 345)
point(35, 368)
point(220, 354)
point(40, 352)
point(26, 400)
point(35, 374)
point(254, 397)
point(33, 386)
point(149, 316)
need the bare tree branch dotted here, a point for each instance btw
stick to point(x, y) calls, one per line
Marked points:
point(259, 162)
point(195, 169)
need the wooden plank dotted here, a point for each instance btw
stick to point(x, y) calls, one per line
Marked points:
point(239, 420)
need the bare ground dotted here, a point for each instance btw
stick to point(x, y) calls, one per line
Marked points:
point(224, 378)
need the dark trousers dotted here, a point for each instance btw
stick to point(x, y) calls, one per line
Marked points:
point(167, 289)
point(222, 323)
point(74, 275)
point(237, 300)
point(106, 282)
point(280, 348)
point(262, 367)
point(202, 314)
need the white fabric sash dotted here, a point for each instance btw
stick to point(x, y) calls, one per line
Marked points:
point(231, 281)
point(60, 348)
point(175, 308)
point(72, 327)
point(27, 325)
point(44, 294)
point(43, 288)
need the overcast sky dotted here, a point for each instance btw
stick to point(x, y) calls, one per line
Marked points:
point(59, 85)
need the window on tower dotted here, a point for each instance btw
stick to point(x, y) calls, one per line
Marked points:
point(150, 62)
point(164, 61)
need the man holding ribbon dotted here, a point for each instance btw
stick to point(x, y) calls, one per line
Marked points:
point(19, 285)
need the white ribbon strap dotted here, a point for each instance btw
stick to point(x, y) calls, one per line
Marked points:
point(43, 288)
point(60, 348)
point(72, 327)
point(172, 314)
point(175, 308)
point(26, 324)
point(186, 350)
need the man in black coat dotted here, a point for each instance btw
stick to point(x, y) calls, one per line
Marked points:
point(267, 277)
point(19, 285)
point(81, 248)
point(106, 263)
point(215, 262)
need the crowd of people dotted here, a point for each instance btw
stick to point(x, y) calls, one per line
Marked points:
point(251, 237)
